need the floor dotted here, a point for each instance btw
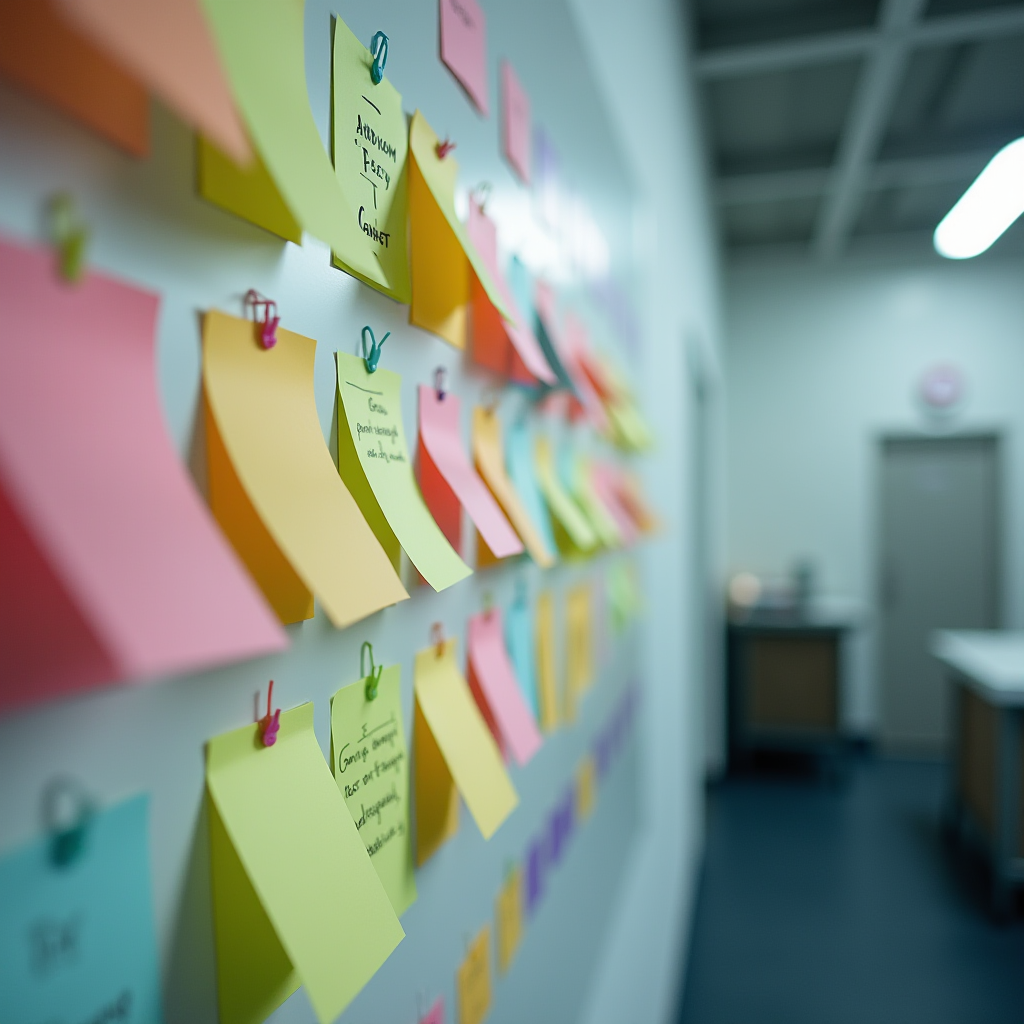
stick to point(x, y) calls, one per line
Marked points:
point(840, 904)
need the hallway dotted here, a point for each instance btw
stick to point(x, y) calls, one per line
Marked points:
point(841, 905)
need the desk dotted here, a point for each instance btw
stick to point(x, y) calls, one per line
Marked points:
point(987, 675)
point(786, 683)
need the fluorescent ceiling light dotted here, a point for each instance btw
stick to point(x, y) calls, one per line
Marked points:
point(991, 204)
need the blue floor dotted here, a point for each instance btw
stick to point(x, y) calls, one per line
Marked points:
point(841, 904)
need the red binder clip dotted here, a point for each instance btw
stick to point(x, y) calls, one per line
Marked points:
point(270, 723)
point(264, 312)
point(444, 148)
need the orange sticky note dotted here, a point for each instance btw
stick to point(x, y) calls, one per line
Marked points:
point(168, 46)
point(586, 788)
point(474, 980)
point(273, 484)
point(437, 799)
point(547, 685)
point(43, 54)
point(508, 914)
point(490, 461)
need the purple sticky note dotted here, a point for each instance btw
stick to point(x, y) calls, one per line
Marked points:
point(534, 875)
point(464, 47)
point(515, 123)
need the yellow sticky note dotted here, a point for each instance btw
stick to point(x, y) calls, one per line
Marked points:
point(547, 686)
point(371, 766)
point(463, 738)
point(566, 514)
point(586, 788)
point(474, 980)
point(442, 253)
point(295, 897)
point(490, 461)
point(261, 44)
point(373, 460)
point(508, 914)
point(437, 799)
point(598, 516)
point(579, 674)
point(273, 486)
point(371, 143)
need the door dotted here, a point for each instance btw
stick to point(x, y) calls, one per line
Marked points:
point(939, 570)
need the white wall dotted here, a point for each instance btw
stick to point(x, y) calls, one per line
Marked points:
point(820, 363)
point(641, 58)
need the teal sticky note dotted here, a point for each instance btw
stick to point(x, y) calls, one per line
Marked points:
point(519, 640)
point(76, 941)
point(520, 463)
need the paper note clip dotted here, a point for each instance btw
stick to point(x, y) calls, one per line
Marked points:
point(69, 235)
point(267, 309)
point(439, 375)
point(437, 638)
point(270, 723)
point(444, 148)
point(372, 356)
point(67, 812)
point(373, 679)
point(379, 49)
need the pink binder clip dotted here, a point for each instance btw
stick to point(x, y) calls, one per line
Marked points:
point(444, 148)
point(270, 723)
point(265, 314)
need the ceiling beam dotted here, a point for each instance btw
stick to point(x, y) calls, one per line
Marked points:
point(737, 61)
point(777, 186)
point(865, 125)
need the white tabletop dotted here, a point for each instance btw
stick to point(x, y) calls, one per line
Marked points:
point(992, 661)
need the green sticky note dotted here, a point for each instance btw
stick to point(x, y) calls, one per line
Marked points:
point(373, 460)
point(295, 897)
point(261, 45)
point(371, 766)
point(371, 144)
point(565, 511)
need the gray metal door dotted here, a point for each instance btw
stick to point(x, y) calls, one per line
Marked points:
point(939, 569)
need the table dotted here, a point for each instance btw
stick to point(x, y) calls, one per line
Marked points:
point(986, 670)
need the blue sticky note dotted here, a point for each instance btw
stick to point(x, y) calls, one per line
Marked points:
point(519, 640)
point(77, 944)
point(519, 457)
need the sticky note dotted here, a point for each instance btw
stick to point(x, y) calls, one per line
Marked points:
point(599, 517)
point(604, 480)
point(547, 686)
point(515, 123)
point(77, 938)
point(445, 470)
point(579, 675)
point(574, 526)
point(46, 56)
point(473, 981)
point(561, 825)
point(522, 471)
point(441, 253)
point(508, 916)
point(576, 345)
point(437, 798)
point(519, 639)
point(536, 873)
point(371, 143)
point(295, 897)
point(261, 46)
point(169, 48)
point(467, 746)
point(371, 766)
point(549, 331)
point(273, 486)
point(490, 461)
point(494, 685)
point(374, 461)
point(586, 788)
point(113, 568)
point(435, 1015)
point(464, 47)
point(508, 347)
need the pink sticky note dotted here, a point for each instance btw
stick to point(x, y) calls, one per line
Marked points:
point(606, 487)
point(436, 1014)
point(464, 47)
point(112, 567)
point(439, 435)
point(576, 345)
point(515, 122)
point(492, 672)
point(483, 233)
